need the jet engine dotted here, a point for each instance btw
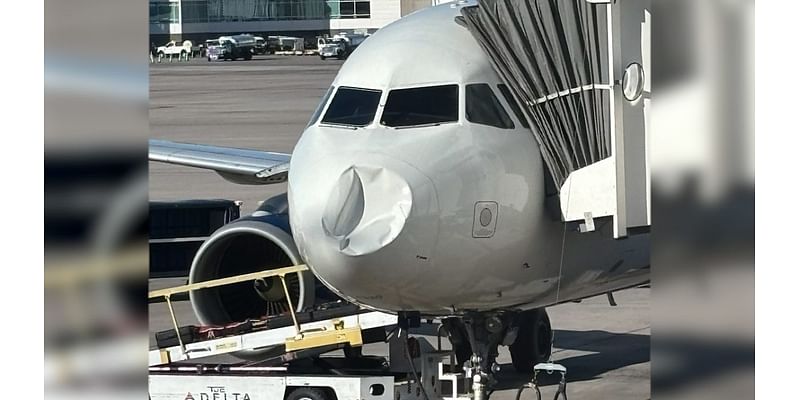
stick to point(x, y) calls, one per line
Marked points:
point(257, 242)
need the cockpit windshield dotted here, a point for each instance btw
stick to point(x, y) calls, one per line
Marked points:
point(430, 105)
point(320, 107)
point(482, 107)
point(352, 107)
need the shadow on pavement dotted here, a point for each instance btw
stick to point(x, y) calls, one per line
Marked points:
point(609, 351)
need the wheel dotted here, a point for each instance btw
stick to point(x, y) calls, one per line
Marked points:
point(322, 58)
point(248, 56)
point(533, 343)
point(352, 352)
point(305, 393)
point(208, 58)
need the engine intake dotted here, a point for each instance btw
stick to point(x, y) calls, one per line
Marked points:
point(254, 243)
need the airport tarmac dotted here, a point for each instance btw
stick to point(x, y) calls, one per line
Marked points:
point(260, 104)
point(264, 104)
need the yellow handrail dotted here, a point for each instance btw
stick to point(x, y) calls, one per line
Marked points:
point(280, 272)
point(227, 281)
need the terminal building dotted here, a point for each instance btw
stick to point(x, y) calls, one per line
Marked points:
point(198, 20)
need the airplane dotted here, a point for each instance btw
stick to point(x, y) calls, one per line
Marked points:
point(416, 189)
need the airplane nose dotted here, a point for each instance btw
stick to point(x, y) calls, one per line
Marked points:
point(363, 221)
point(367, 209)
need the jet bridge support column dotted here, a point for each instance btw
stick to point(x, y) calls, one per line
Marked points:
point(619, 186)
point(629, 46)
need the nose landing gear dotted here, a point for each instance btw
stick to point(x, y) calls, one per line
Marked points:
point(533, 343)
point(476, 337)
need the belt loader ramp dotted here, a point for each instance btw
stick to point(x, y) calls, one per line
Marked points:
point(414, 369)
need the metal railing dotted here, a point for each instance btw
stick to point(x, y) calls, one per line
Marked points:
point(280, 273)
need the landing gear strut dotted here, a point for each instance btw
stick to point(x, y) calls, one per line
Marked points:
point(476, 336)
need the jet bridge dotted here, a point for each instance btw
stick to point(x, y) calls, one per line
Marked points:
point(580, 70)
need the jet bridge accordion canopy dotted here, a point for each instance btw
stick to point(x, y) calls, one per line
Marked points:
point(553, 54)
point(579, 69)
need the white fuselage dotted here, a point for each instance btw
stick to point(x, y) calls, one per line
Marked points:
point(443, 217)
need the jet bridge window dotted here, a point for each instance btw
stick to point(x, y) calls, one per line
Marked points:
point(430, 105)
point(483, 107)
point(352, 107)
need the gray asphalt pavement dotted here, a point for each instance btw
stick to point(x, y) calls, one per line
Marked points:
point(261, 104)
point(265, 104)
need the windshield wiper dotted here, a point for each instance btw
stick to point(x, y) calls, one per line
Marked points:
point(340, 126)
point(418, 125)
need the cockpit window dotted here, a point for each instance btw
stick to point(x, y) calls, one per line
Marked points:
point(320, 107)
point(421, 106)
point(483, 107)
point(514, 106)
point(352, 107)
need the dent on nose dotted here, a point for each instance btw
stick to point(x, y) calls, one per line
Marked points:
point(367, 209)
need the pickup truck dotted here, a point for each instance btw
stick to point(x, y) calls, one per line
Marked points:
point(339, 46)
point(173, 49)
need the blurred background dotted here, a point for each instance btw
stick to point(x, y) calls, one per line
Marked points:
point(96, 127)
point(702, 166)
point(703, 196)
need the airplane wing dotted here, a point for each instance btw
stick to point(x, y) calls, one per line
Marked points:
point(246, 167)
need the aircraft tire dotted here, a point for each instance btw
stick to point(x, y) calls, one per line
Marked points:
point(533, 343)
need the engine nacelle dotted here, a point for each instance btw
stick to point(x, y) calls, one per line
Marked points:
point(253, 243)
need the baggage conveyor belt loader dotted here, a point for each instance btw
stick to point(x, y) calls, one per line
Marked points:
point(413, 370)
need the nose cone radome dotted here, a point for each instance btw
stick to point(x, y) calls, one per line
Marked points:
point(363, 223)
point(367, 209)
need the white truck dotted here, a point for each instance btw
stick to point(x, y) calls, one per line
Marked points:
point(171, 49)
point(339, 45)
